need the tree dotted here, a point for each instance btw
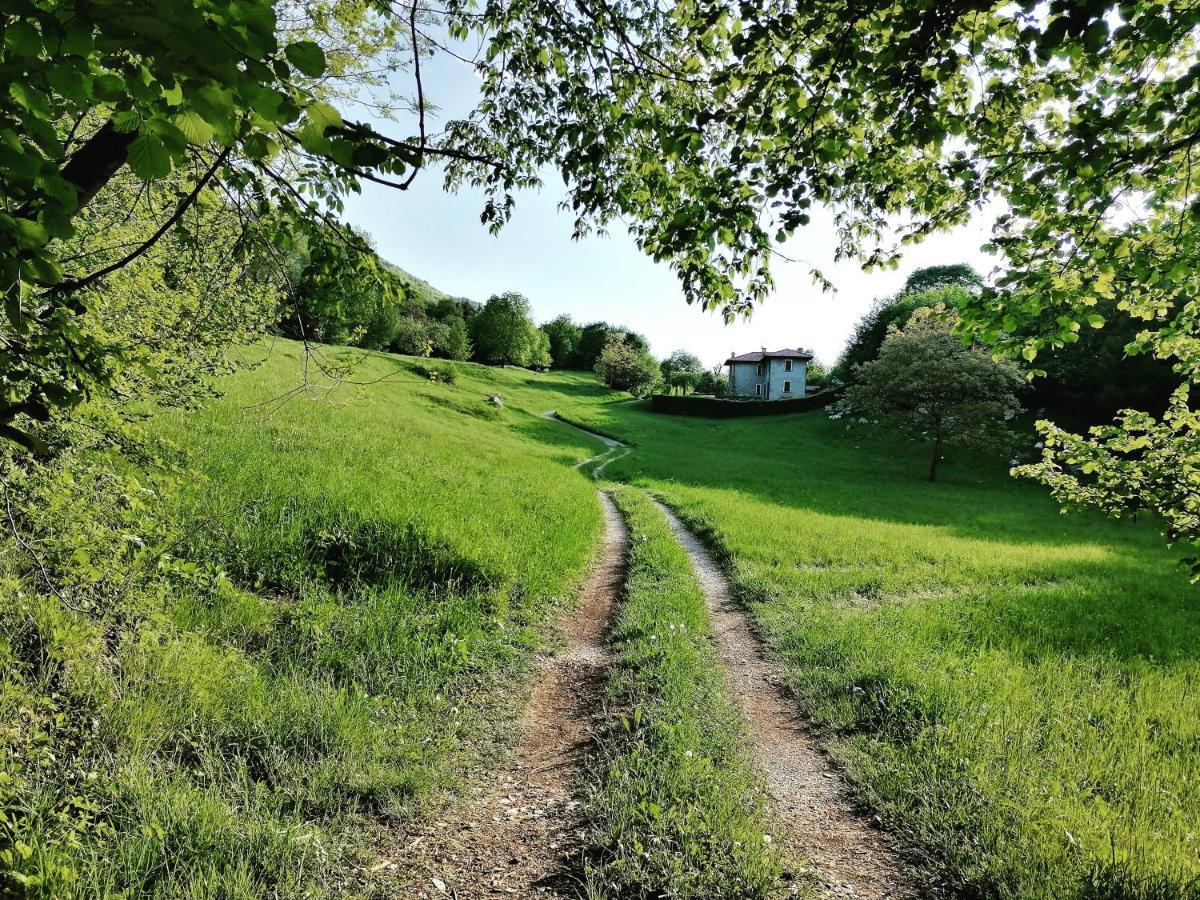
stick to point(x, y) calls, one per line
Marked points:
point(539, 350)
point(337, 300)
point(872, 329)
point(633, 339)
point(503, 330)
point(682, 370)
point(412, 337)
point(930, 278)
point(626, 368)
point(593, 338)
point(928, 382)
point(817, 374)
point(564, 337)
point(451, 339)
point(713, 382)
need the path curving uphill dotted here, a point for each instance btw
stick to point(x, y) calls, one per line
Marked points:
point(598, 463)
point(816, 821)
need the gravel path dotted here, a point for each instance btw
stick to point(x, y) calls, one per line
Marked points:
point(518, 834)
point(816, 822)
point(615, 449)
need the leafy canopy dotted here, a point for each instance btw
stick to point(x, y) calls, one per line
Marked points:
point(625, 366)
point(682, 370)
point(928, 382)
point(504, 332)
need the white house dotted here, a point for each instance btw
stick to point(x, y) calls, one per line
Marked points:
point(769, 375)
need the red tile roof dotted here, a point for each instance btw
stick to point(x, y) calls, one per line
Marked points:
point(771, 354)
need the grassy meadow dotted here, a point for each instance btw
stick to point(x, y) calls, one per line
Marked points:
point(346, 587)
point(1015, 692)
point(331, 632)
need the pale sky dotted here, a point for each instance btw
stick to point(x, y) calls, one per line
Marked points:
point(438, 237)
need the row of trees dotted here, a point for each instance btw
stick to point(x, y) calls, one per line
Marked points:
point(338, 301)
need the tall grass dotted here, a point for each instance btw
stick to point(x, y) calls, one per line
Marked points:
point(355, 579)
point(1015, 691)
point(677, 810)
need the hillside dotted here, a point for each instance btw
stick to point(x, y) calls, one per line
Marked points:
point(330, 625)
point(427, 291)
point(332, 639)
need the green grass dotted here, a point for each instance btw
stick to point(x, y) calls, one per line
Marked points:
point(676, 808)
point(1015, 691)
point(336, 624)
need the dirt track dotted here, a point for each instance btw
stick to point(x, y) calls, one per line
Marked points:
point(518, 834)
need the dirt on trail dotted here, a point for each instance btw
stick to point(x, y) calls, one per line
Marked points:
point(518, 834)
point(816, 822)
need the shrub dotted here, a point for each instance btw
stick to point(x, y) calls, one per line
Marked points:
point(442, 373)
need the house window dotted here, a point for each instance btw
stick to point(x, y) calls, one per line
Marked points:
point(758, 389)
point(760, 368)
point(787, 366)
point(787, 387)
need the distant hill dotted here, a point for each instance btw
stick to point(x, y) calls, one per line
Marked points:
point(423, 287)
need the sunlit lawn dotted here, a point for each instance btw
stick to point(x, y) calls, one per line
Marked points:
point(1015, 692)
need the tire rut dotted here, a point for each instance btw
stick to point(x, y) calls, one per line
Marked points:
point(519, 834)
point(816, 822)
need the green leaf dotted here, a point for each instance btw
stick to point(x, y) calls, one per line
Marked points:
point(195, 129)
point(148, 158)
point(1095, 321)
point(323, 116)
point(30, 234)
point(126, 120)
point(307, 57)
point(22, 39)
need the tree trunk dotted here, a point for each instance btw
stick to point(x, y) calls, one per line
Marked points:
point(937, 457)
point(96, 162)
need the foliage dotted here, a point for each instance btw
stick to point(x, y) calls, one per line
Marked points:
point(928, 382)
point(871, 330)
point(929, 278)
point(817, 374)
point(450, 338)
point(1009, 689)
point(712, 382)
point(504, 330)
point(593, 338)
point(539, 350)
point(1093, 379)
point(682, 370)
point(677, 808)
point(1128, 467)
point(412, 337)
point(340, 299)
point(564, 336)
point(625, 368)
point(440, 373)
point(198, 103)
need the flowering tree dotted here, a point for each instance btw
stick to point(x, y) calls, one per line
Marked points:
point(927, 382)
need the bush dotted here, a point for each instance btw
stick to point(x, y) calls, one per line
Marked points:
point(441, 373)
point(626, 368)
point(412, 338)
